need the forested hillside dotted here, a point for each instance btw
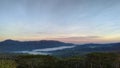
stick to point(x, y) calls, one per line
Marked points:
point(92, 60)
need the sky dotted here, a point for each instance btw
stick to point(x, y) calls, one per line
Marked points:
point(75, 21)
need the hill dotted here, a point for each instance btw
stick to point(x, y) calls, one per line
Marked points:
point(55, 47)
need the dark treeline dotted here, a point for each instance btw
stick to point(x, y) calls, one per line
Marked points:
point(92, 60)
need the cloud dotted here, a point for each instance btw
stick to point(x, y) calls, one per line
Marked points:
point(84, 37)
point(88, 39)
point(80, 39)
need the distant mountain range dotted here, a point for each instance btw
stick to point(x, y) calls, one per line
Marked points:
point(55, 47)
point(12, 45)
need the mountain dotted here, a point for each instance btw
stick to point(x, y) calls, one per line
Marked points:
point(55, 47)
point(12, 45)
point(88, 48)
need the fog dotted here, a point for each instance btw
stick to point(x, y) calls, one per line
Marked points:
point(45, 51)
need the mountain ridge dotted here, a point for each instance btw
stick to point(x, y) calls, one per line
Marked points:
point(42, 45)
point(13, 45)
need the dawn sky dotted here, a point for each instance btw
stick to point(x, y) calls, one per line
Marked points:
point(77, 21)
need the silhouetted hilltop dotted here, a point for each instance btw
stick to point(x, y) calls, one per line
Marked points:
point(13, 45)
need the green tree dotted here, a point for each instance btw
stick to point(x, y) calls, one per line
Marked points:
point(101, 60)
point(7, 64)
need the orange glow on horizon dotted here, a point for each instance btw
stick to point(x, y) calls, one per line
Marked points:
point(83, 39)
